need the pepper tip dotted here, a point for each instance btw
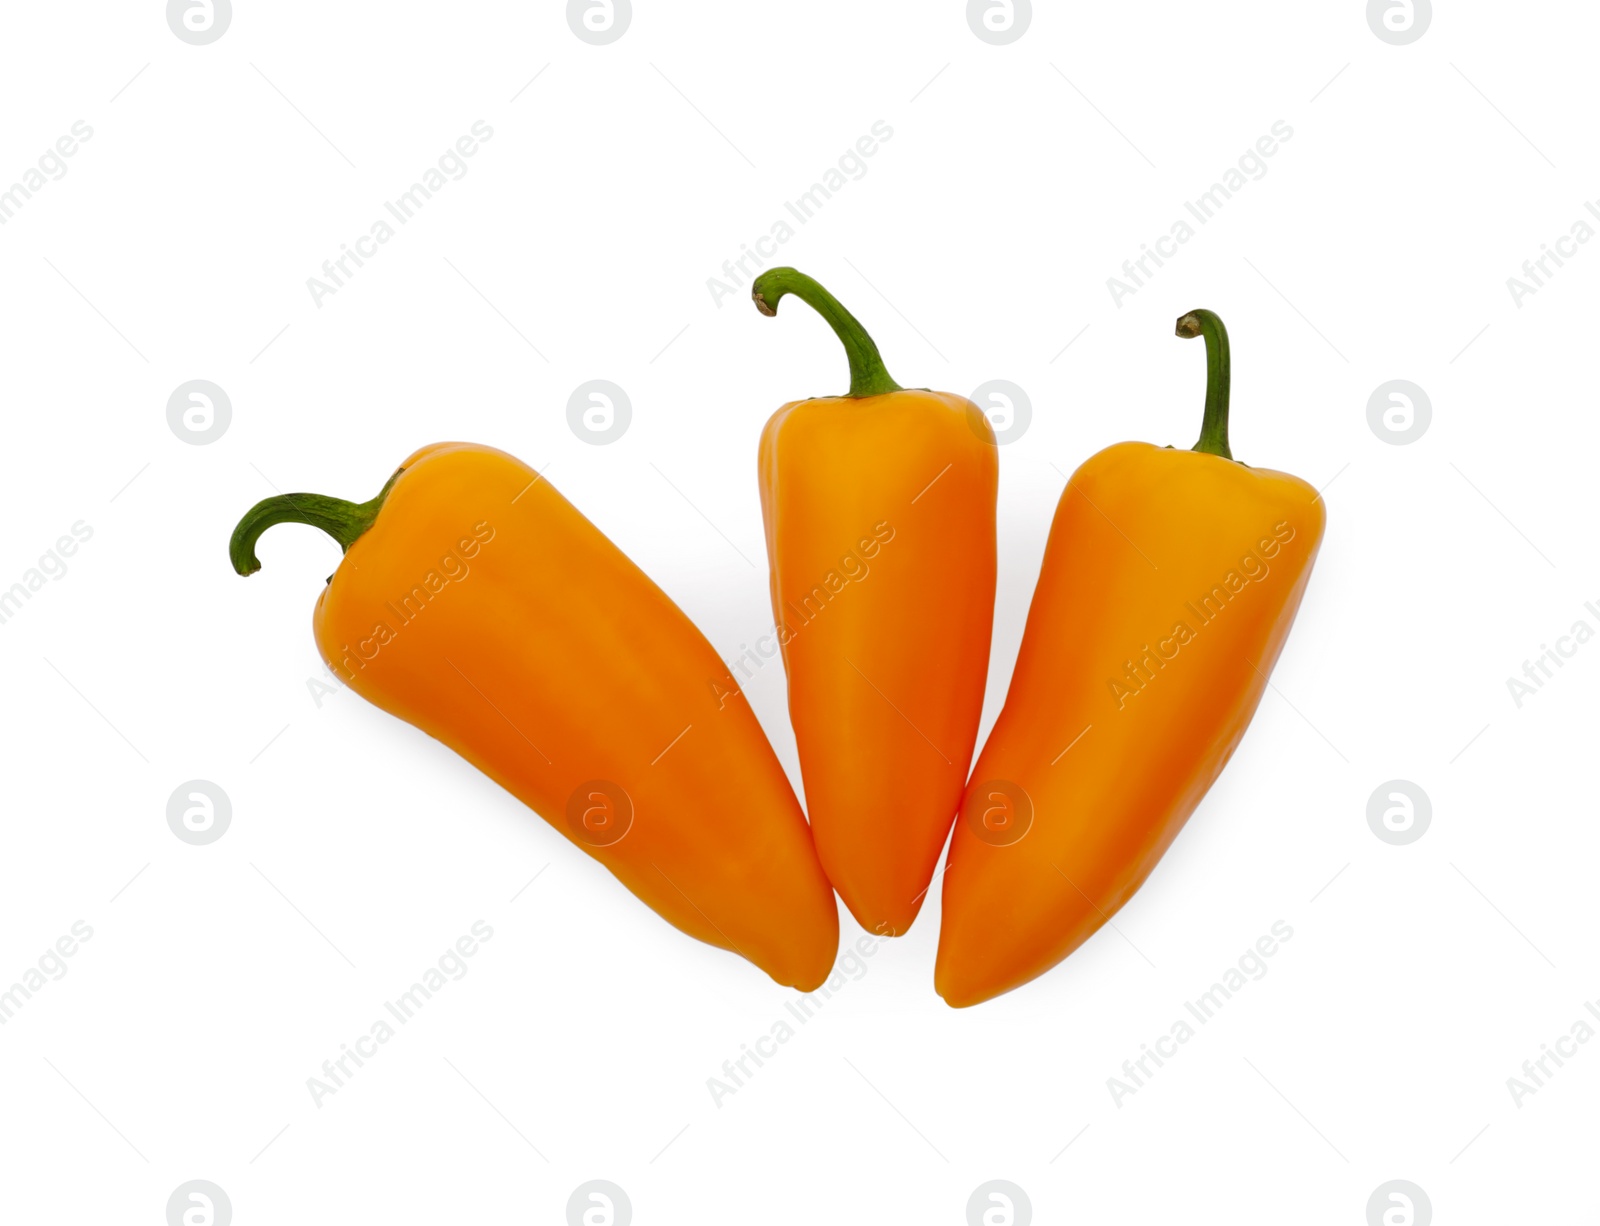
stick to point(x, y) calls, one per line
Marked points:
point(1189, 325)
point(761, 303)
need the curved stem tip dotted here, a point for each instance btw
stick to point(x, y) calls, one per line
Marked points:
point(868, 376)
point(343, 521)
point(1219, 379)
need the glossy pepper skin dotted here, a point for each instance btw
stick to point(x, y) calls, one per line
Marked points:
point(476, 603)
point(1168, 587)
point(880, 524)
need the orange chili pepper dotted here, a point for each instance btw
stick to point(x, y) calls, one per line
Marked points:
point(880, 522)
point(476, 603)
point(1168, 587)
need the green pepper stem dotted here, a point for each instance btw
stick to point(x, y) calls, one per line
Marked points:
point(1219, 379)
point(868, 376)
point(343, 521)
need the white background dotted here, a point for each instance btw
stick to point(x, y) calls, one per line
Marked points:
point(1018, 179)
